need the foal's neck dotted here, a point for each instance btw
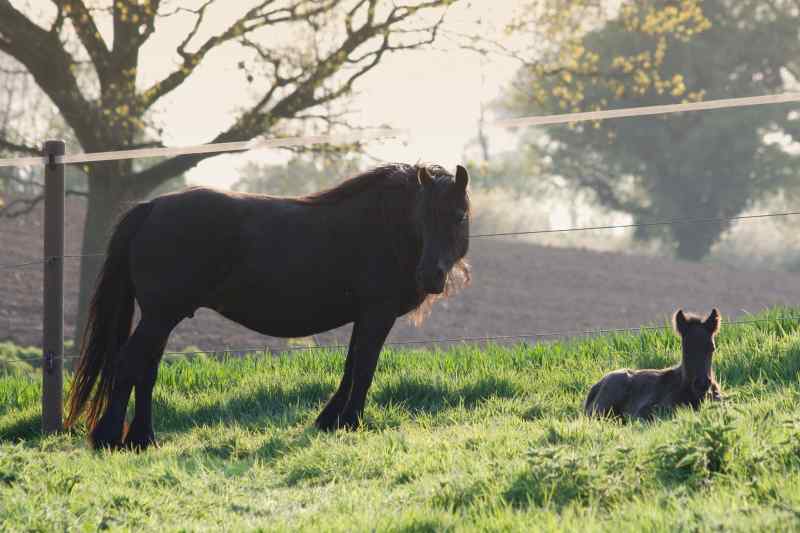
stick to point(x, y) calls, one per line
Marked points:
point(688, 377)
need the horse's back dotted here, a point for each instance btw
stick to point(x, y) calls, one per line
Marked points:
point(634, 393)
point(284, 267)
point(608, 396)
point(185, 247)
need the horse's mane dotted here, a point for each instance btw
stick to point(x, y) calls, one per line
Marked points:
point(395, 175)
point(377, 177)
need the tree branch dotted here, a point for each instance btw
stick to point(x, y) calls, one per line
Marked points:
point(86, 29)
point(254, 19)
point(23, 206)
point(45, 58)
point(258, 120)
point(23, 182)
point(58, 23)
point(134, 22)
point(5, 144)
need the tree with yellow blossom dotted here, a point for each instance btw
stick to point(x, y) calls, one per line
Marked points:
point(712, 164)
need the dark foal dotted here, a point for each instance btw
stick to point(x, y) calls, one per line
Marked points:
point(639, 393)
point(368, 251)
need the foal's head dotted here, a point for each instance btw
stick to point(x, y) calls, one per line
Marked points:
point(443, 225)
point(697, 340)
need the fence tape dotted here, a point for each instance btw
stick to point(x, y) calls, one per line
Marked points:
point(260, 143)
point(253, 144)
point(648, 110)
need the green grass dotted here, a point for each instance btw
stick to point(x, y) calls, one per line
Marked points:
point(472, 438)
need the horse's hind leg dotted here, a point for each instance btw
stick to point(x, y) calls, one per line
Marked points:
point(106, 433)
point(140, 434)
point(608, 396)
point(133, 361)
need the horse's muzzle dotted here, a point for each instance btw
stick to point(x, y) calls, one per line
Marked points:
point(432, 281)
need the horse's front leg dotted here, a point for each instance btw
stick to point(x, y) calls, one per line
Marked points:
point(328, 419)
point(369, 334)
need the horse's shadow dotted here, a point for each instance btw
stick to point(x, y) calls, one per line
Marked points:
point(285, 407)
point(419, 396)
point(263, 405)
point(23, 429)
point(258, 407)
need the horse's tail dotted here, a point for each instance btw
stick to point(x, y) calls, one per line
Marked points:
point(108, 325)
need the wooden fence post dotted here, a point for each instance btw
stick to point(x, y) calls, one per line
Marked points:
point(53, 322)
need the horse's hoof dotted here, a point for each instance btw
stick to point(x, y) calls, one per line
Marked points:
point(138, 437)
point(140, 443)
point(327, 422)
point(349, 421)
point(102, 443)
point(103, 439)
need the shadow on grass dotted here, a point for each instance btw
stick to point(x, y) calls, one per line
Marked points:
point(233, 448)
point(27, 427)
point(287, 406)
point(429, 397)
point(265, 405)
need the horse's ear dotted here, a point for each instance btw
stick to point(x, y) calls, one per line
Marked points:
point(462, 177)
point(424, 177)
point(712, 322)
point(679, 321)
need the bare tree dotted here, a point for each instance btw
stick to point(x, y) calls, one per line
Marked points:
point(91, 76)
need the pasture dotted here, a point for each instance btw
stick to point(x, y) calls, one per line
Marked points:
point(464, 438)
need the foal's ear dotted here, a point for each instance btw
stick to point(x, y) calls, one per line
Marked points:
point(462, 178)
point(679, 321)
point(424, 177)
point(712, 322)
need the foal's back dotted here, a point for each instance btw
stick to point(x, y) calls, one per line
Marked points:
point(635, 393)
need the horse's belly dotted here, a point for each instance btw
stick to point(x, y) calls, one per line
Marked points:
point(297, 314)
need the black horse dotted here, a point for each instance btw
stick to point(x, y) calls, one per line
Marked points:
point(368, 251)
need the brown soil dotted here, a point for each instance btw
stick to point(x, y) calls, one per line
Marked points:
point(517, 288)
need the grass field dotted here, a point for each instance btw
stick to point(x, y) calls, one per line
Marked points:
point(471, 438)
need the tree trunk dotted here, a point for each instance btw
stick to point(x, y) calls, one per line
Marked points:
point(109, 197)
point(695, 240)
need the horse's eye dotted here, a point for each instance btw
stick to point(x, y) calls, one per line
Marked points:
point(460, 217)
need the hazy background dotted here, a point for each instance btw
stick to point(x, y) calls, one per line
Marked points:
point(458, 66)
